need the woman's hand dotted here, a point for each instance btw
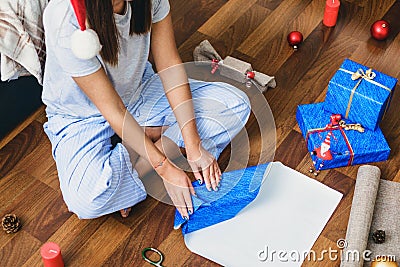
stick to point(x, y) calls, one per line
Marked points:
point(200, 160)
point(178, 186)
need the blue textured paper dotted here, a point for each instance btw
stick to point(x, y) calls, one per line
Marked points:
point(369, 102)
point(238, 189)
point(369, 146)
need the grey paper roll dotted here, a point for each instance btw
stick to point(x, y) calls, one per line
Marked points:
point(235, 69)
point(386, 217)
point(362, 210)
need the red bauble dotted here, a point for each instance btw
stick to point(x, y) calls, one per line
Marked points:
point(380, 30)
point(295, 38)
point(250, 74)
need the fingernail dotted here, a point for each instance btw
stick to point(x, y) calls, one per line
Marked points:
point(219, 184)
point(190, 212)
point(216, 189)
point(200, 182)
point(185, 218)
point(209, 189)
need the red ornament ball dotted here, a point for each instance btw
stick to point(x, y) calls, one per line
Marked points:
point(251, 74)
point(295, 38)
point(380, 30)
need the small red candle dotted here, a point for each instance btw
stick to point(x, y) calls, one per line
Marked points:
point(331, 12)
point(51, 255)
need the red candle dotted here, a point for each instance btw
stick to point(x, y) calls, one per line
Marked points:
point(331, 12)
point(51, 255)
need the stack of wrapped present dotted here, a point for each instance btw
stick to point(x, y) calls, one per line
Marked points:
point(344, 130)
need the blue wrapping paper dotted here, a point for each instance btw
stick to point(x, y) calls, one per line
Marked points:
point(238, 189)
point(365, 104)
point(369, 146)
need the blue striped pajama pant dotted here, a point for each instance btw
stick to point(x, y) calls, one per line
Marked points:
point(98, 179)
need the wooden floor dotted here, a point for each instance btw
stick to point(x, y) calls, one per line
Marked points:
point(252, 30)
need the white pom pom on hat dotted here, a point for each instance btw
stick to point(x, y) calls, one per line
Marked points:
point(85, 43)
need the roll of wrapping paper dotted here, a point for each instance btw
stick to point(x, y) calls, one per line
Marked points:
point(362, 210)
point(386, 217)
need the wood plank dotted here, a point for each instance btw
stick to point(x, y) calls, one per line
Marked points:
point(138, 213)
point(397, 177)
point(225, 17)
point(276, 50)
point(150, 232)
point(49, 219)
point(289, 74)
point(272, 25)
point(71, 237)
point(40, 164)
point(270, 4)
point(20, 146)
point(392, 16)
point(378, 59)
point(41, 115)
point(31, 202)
point(100, 245)
point(304, 168)
point(173, 244)
point(183, 13)
point(19, 249)
point(339, 182)
point(289, 156)
point(373, 10)
point(13, 134)
point(197, 260)
point(242, 28)
point(12, 186)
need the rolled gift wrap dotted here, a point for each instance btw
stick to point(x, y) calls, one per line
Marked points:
point(362, 209)
point(235, 69)
point(386, 217)
point(205, 53)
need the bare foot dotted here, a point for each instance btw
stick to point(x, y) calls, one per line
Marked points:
point(125, 212)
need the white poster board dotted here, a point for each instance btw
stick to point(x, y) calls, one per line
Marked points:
point(288, 215)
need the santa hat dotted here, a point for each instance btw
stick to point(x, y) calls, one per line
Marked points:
point(85, 43)
point(328, 139)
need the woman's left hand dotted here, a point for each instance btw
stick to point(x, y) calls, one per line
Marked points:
point(205, 167)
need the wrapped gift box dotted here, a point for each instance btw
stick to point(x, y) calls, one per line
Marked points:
point(360, 94)
point(333, 146)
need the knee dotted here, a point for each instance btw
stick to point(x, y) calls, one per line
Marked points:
point(86, 191)
point(238, 102)
point(81, 206)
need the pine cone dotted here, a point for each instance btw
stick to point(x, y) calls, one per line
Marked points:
point(10, 223)
point(379, 236)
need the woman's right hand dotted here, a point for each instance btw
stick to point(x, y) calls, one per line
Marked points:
point(178, 186)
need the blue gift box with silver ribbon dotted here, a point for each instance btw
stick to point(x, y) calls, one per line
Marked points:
point(360, 94)
point(335, 142)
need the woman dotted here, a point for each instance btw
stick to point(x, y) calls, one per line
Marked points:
point(90, 101)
